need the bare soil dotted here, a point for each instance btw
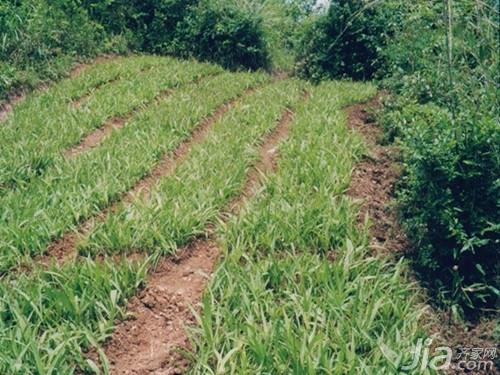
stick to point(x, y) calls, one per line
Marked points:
point(373, 180)
point(94, 139)
point(77, 103)
point(154, 340)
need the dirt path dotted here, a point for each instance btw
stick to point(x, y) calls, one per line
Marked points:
point(64, 249)
point(373, 180)
point(153, 340)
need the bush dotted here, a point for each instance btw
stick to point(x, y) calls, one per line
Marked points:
point(212, 30)
point(41, 38)
point(150, 25)
point(446, 117)
point(220, 32)
point(347, 40)
point(450, 203)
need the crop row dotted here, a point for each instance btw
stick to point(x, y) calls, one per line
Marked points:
point(73, 190)
point(44, 125)
point(49, 318)
point(298, 291)
point(181, 206)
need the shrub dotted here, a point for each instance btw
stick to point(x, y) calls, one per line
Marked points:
point(347, 40)
point(221, 32)
point(150, 25)
point(40, 38)
point(450, 204)
point(446, 117)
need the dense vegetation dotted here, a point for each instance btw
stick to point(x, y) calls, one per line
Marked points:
point(440, 62)
point(41, 39)
point(445, 112)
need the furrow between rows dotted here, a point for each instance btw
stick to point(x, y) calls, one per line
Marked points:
point(38, 135)
point(73, 306)
point(8, 105)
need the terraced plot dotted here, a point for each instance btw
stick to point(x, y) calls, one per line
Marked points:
point(238, 174)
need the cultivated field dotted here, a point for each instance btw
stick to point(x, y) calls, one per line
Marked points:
point(166, 216)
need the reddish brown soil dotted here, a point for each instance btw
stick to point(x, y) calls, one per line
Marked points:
point(149, 341)
point(373, 180)
point(153, 341)
point(93, 139)
point(373, 184)
point(6, 108)
point(268, 155)
point(77, 103)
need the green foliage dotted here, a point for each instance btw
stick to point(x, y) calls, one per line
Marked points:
point(450, 201)
point(71, 191)
point(347, 40)
point(150, 25)
point(48, 319)
point(182, 204)
point(221, 32)
point(40, 38)
point(297, 291)
point(446, 117)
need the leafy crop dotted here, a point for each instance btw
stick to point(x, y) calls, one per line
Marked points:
point(74, 190)
point(48, 319)
point(39, 130)
point(182, 204)
point(277, 302)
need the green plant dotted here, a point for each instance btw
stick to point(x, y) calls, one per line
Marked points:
point(181, 205)
point(443, 71)
point(297, 291)
point(450, 204)
point(221, 32)
point(53, 120)
point(73, 190)
point(40, 40)
point(347, 40)
point(50, 318)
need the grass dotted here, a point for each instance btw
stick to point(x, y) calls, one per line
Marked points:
point(183, 204)
point(298, 290)
point(48, 319)
point(74, 190)
point(51, 317)
point(46, 124)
